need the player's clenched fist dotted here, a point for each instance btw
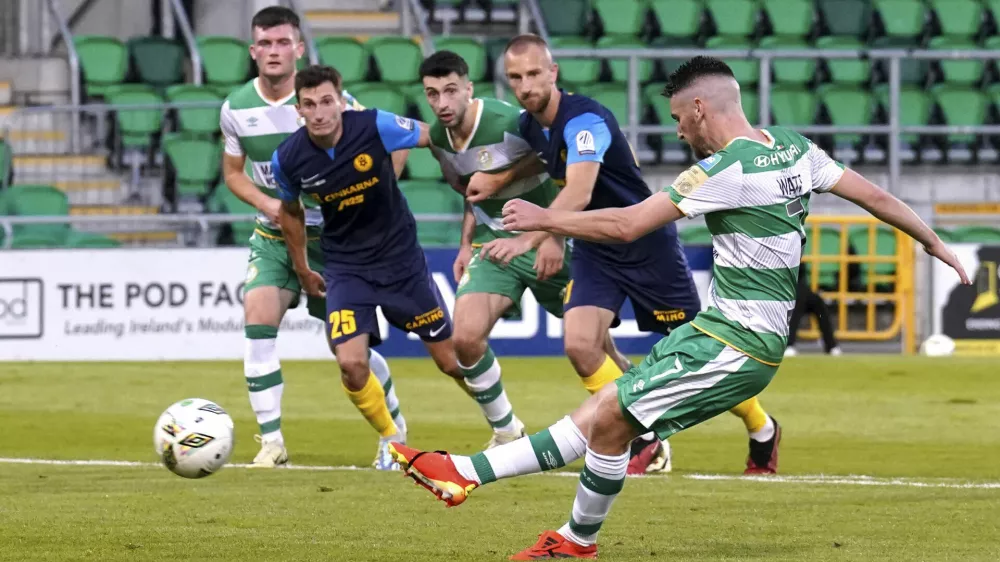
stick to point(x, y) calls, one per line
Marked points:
point(518, 214)
point(312, 283)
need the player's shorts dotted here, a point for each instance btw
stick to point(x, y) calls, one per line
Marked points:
point(409, 298)
point(271, 266)
point(687, 378)
point(595, 283)
point(485, 276)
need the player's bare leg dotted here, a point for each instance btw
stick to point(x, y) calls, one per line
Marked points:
point(366, 393)
point(475, 316)
point(263, 309)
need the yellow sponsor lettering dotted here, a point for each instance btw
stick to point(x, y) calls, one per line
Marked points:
point(674, 315)
point(347, 191)
point(351, 201)
point(425, 319)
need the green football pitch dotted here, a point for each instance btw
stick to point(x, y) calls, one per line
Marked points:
point(883, 458)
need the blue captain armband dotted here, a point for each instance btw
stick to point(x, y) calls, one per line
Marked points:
point(287, 191)
point(587, 139)
point(396, 132)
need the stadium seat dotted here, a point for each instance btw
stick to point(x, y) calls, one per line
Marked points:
point(424, 197)
point(793, 105)
point(613, 97)
point(673, 149)
point(911, 71)
point(829, 245)
point(847, 106)
point(103, 62)
point(959, 18)
point(346, 54)
point(993, 7)
point(745, 70)
point(669, 64)
point(679, 18)
point(195, 161)
point(36, 240)
point(225, 60)
point(695, 236)
point(621, 17)
point(914, 108)
point(225, 201)
point(961, 106)
point(576, 71)
point(77, 239)
point(469, 49)
point(199, 121)
point(902, 18)
point(565, 17)
point(158, 61)
point(415, 97)
point(789, 71)
point(846, 17)
point(398, 58)
point(382, 96)
point(6, 164)
point(976, 234)
point(733, 17)
point(619, 66)
point(945, 234)
point(790, 17)
point(421, 165)
point(966, 72)
point(884, 245)
point(751, 105)
point(136, 126)
point(852, 71)
point(36, 200)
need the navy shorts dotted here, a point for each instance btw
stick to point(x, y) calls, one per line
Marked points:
point(662, 299)
point(409, 298)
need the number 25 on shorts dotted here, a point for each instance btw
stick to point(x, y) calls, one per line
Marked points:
point(342, 323)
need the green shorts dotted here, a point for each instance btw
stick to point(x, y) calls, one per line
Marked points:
point(271, 266)
point(485, 276)
point(687, 378)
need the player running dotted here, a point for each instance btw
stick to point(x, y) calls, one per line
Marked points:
point(254, 119)
point(370, 255)
point(473, 135)
point(585, 150)
point(753, 186)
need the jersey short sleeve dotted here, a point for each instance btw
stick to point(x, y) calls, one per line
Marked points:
point(287, 191)
point(826, 171)
point(396, 132)
point(515, 145)
point(587, 139)
point(707, 187)
point(227, 122)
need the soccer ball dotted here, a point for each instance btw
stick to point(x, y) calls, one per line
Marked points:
point(194, 438)
point(938, 345)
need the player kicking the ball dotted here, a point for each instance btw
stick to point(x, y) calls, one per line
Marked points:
point(254, 120)
point(724, 356)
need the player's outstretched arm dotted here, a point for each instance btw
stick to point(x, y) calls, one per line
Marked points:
point(484, 185)
point(612, 225)
point(890, 210)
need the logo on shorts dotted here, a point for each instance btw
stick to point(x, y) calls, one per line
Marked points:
point(585, 143)
point(464, 279)
point(484, 158)
point(251, 273)
point(672, 315)
point(426, 319)
point(363, 163)
point(404, 123)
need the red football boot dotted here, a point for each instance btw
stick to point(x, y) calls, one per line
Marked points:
point(434, 471)
point(552, 545)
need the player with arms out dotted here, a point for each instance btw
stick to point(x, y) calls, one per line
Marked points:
point(254, 119)
point(477, 140)
point(370, 254)
point(729, 352)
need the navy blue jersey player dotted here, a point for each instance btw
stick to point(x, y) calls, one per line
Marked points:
point(584, 149)
point(369, 239)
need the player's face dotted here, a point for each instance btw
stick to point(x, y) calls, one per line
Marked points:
point(276, 49)
point(532, 75)
point(690, 116)
point(449, 97)
point(321, 108)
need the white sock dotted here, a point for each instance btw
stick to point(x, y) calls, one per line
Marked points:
point(600, 482)
point(380, 367)
point(483, 380)
point(555, 447)
point(765, 433)
point(264, 382)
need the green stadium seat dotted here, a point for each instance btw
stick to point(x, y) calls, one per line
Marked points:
point(846, 17)
point(733, 17)
point(425, 197)
point(195, 161)
point(746, 70)
point(976, 234)
point(225, 60)
point(103, 62)
point(37, 200)
point(679, 18)
point(847, 106)
point(829, 245)
point(912, 71)
point(961, 106)
point(915, 107)
point(993, 7)
point(853, 71)
point(414, 94)
point(469, 49)
point(398, 58)
point(958, 17)
point(36, 240)
point(77, 239)
point(382, 96)
point(565, 17)
point(6, 164)
point(884, 245)
point(421, 165)
point(223, 90)
point(789, 71)
point(576, 71)
point(613, 97)
point(199, 121)
point(793, 105)
point(346, 54)
point(945, 234)
point(619, 66)
point(695, 236)
point(622, 17)
point(495, 47)
point(158, 61)
point(790, 17)
point(224, 201)
point(136, 126)
point(751, 105)
point(673, 149)
point(902, 18)
point(965, 72)
point(669, 64)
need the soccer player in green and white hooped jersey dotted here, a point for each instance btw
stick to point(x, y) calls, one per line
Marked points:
point(753, 186)
point(254, 120)
point(473, 135)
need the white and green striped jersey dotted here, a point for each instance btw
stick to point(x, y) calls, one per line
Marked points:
point(494, 146)
point(755, 198)
point(254, 126)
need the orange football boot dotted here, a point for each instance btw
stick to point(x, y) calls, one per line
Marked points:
point(552, 545)
point(434, 471)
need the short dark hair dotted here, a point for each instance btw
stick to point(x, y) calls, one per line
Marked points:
point(314, 75)
point(693, 69)
point(525, 40)
point(444, 63)
point(273, 16)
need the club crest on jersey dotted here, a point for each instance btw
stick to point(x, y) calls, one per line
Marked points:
point(362, 163)
point(404, 123)
point(585, 143)
point(485, 159)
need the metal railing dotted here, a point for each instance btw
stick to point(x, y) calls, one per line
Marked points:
point(180, 16)
point(536, 17)
point(74, 69)
point(10, 26)
point(306, 30)
point(412, 12)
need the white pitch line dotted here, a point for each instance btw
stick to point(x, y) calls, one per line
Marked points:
point(826, 479)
